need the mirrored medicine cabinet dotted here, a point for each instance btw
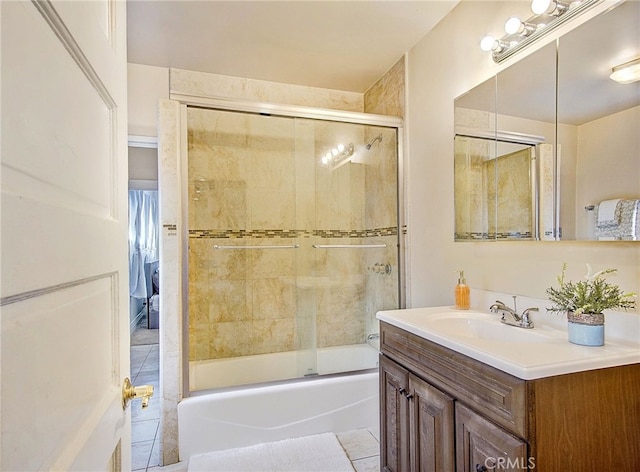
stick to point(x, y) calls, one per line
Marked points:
point(547, 142)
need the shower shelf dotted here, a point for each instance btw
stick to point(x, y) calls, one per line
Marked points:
point(292, 246)
point(348, 246)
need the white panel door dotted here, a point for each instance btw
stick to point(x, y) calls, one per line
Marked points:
point(64, 318)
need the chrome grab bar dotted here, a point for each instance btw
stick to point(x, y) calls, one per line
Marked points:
point(292, 246)
point(346, 246)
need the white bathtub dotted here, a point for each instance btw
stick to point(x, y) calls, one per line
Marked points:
point(216, 373)
point(246, 416)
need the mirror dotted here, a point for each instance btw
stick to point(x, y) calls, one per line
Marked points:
point(584, 159)
point(598, 138)
point(504, 153)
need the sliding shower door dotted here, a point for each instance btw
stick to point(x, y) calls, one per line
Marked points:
point(291, 252)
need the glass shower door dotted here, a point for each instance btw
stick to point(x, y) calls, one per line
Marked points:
point(243, 244)
point(293, 245)
point(354, 243)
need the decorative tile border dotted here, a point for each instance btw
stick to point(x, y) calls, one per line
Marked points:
point(491, 236)
point(290, 233)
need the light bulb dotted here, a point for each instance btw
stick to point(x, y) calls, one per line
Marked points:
point(549, 7)
point(488, 43)
point(340, 147)
point(513, 25)
point(541, 6)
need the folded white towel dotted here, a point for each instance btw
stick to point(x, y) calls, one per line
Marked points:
point(607, 212)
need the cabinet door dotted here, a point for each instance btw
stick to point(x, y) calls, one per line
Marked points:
point(394, 415)
point(483, 446)
point(432, 428)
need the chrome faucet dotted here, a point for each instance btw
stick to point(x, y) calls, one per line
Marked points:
point(511, 317)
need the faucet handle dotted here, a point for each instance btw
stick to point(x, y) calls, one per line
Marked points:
point(498, 305)
point(526, 320)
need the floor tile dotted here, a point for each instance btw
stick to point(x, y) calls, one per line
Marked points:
point(359, 444)
point(179, 467)
point(144, 430)
point(140, 453)
point(154, 457)
point(368, 464)
point(152, 412)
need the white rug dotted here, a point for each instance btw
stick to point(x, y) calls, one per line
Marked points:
point(320, 452)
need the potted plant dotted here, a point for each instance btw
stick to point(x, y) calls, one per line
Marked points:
point(584, 303)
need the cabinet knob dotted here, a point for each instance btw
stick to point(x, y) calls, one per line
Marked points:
point(402, 391)
point(481, 468)
point(409, 396)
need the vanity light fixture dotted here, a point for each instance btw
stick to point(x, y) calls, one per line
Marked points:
point(626, 73)
point(548, 15)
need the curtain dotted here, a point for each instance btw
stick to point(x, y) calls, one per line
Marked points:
point(143, 240)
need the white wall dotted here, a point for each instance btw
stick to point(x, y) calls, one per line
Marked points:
point(146, 85)
point(143, 163)
point(443, 65)
point(601, 142)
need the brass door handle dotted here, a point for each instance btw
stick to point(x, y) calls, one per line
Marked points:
point(130, 392)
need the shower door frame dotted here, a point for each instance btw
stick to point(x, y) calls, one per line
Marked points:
point(279, 110)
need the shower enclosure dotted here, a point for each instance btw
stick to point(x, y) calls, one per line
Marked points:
point(293, 244)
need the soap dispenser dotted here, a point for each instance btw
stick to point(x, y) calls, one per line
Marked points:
point(462, 293)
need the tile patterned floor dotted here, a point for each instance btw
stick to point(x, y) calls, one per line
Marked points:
point(362, 446)
point(145, 441)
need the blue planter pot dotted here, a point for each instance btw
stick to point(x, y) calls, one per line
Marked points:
point(586, 329)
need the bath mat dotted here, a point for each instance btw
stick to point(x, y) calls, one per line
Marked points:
point(320, 452)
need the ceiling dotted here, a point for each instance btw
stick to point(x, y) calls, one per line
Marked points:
point(342, 45)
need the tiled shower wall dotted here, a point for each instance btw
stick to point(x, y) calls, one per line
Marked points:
point(256, 180)
point(244, 302)
point(385, 97)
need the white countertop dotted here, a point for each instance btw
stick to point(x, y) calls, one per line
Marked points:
point(543, 351)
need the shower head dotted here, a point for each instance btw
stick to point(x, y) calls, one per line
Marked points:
point(372, 142)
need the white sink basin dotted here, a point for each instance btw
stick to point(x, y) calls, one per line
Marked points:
point(542, 351)
point(473, 325)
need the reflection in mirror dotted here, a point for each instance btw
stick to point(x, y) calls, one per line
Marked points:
point(506, 127)
point(598, 128)
point(585, 162)
point(494, 192)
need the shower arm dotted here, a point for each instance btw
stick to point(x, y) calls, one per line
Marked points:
point(372, 142)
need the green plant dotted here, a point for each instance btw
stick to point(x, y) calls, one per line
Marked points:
point(591, 295)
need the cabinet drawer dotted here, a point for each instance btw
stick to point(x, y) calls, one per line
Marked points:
point(496, 394)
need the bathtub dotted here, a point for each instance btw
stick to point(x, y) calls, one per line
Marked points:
point(216, 373)
point(216, 420)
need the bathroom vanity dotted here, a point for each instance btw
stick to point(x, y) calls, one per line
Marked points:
point(446, 410)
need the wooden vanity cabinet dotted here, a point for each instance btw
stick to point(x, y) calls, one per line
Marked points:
point(418, 433)
point(442, 411)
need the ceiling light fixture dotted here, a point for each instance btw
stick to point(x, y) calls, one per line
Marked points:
point(626, 73)
point(548, 15)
